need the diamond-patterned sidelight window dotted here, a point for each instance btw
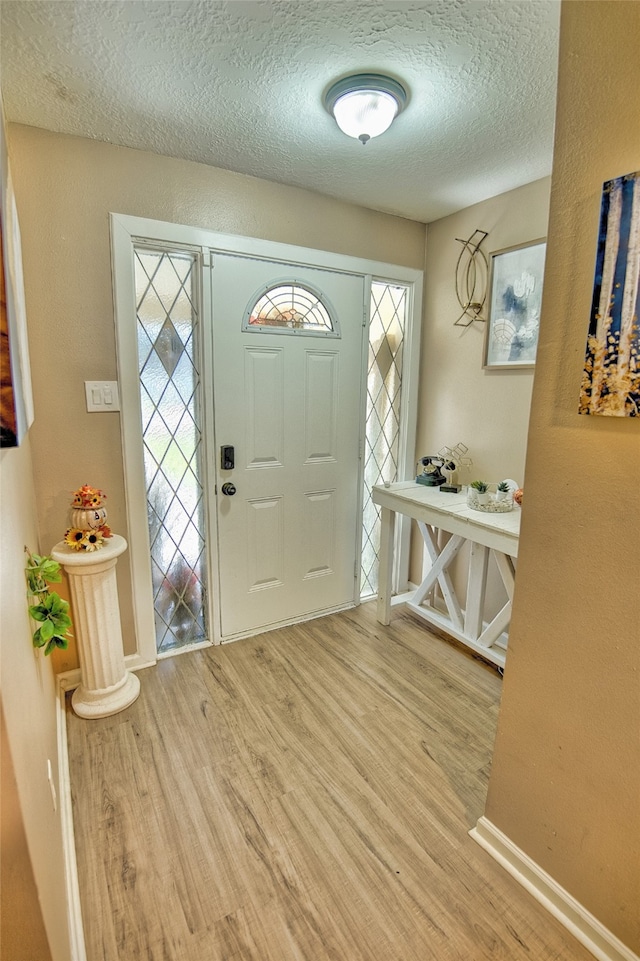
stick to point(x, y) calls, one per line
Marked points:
point(382, 436)
point(169, 369)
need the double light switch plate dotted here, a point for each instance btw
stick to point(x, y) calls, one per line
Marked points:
point(102, 395)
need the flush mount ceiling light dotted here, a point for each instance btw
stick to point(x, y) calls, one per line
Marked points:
point(365, 105)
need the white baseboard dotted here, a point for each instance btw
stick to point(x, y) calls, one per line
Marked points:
point(74, 911)
point(69, 680)
point(581, 923)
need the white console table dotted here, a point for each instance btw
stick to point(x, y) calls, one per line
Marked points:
point(487, 533)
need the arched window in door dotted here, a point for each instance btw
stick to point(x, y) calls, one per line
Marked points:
point(289, 307)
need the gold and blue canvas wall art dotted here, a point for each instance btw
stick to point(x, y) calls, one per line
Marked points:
point(611, 377)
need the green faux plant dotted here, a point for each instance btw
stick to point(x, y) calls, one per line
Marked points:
point(50, 611)
point(480, 486)
point(503, 487)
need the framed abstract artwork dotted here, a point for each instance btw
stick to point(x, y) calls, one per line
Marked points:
point(611, 376)
point(516, 276)
point(16, 400)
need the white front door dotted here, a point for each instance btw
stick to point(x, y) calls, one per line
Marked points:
point(288, 400)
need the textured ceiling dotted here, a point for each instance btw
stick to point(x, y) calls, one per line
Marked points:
point(239, 85)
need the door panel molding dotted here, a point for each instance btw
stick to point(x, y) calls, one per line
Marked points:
point(320, 432)
point(265, 565)
point(264, 375)
point(320, 533)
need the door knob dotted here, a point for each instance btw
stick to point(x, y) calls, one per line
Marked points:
point(228, 488)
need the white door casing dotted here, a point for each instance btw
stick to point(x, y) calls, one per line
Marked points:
point(125, 232)
point(289, 402)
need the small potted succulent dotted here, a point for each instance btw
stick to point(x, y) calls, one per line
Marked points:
point(503, 490)
point(481, 489)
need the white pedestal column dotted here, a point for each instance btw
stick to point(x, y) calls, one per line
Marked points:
point(106, 686)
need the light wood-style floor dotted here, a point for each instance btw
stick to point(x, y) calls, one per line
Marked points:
point(305, 794)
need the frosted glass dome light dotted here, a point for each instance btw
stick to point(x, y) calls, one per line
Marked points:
point(364, 106)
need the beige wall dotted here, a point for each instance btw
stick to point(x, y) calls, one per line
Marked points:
point(22, 933)
point(65, 189)
point(565, 782)
point(29, 705)
point(487, 410)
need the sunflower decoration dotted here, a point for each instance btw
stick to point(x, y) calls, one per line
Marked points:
point(88, 519)
point(74, 538)
point(92, 540)
point(88, 498)
point(85, 540)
